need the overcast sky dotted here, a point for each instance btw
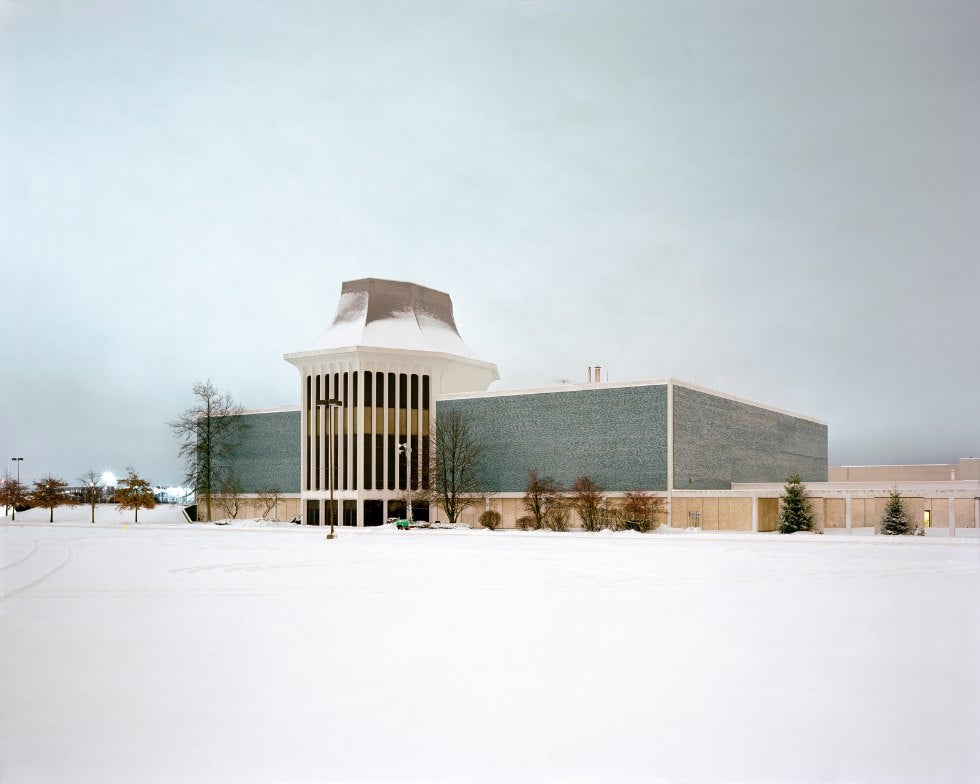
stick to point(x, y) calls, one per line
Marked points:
point(778, 200)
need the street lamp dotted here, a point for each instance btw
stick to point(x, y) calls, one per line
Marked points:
point(13, 509)
point(331, 404)
point(406, 449)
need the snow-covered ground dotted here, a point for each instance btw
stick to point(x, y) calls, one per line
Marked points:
point(165, 652)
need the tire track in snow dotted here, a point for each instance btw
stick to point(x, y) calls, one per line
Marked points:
point(53, 563)
point(22, 558)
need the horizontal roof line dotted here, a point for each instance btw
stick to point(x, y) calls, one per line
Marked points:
point(626, 384)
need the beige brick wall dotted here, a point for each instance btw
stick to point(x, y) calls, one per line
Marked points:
point(965, 513)
point(835, 513)
point(768, 514)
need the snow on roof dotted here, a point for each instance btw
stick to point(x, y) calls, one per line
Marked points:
point(392, 314)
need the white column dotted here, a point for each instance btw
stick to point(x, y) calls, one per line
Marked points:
point(322, 415)
point(952, 516)
point(670, 454)
point(304, 457)
point(384, 440)
point(847, 513)
point(976, 512)
point(755, 514)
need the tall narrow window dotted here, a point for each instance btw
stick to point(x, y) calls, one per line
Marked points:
point(343, 415)
point(425, 432)
point(402, 429)
point(355, 429)
point(390, 408)
point(368, 421)
point(379, 429)
point(413, 431)
point(336, 432)
point(317, 435)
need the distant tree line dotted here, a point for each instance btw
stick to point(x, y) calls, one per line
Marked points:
point(49, 492)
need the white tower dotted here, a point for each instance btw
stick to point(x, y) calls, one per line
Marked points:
point(392, 347)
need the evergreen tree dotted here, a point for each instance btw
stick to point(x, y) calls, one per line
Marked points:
point(795, 513)
point(895, 520)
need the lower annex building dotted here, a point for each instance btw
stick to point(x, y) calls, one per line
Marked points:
point(370, 385)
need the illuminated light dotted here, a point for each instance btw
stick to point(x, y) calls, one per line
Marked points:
point(108, 479)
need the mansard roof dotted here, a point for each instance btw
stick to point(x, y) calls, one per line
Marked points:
point(392, 314)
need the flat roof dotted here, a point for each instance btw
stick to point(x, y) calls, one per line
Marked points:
point(276, 410)
point(625, 384)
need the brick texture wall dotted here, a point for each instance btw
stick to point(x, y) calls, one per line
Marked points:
point(269, 453)
point(718, 441)
point(616, 435)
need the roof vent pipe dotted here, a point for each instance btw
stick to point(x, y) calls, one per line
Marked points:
point(598, 374)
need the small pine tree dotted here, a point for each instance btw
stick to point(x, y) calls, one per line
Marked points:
point(895, 520)
point(795, 513)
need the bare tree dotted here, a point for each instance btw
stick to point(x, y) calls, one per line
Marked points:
point(49, 492)
point(641, 511)
point(229, 498)
point(541, 493)
point(13, 494)
point(456, 456)
point(556, 515)
point(268, 499)
point(91, 488)
point(134, 492)
point(587, 498)
point(209, 432)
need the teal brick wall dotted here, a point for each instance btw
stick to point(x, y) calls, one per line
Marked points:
point(616, 435)
point(269, 451)
point(718, 441)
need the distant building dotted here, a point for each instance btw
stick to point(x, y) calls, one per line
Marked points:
point(370, 386)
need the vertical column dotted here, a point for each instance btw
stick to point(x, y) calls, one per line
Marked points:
point(976, 512)
point(356, 422)
point(391, 413)
point(336, 423)
point(414, 420)
point(847, 513)
point(670, 454)
point(403, 432)
point(322, 393)
point(755, 514)
point(367, 432)
point(952, 515)
point(426, 428)
point(304, 458)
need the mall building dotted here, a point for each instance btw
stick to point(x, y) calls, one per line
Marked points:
point(370, 385)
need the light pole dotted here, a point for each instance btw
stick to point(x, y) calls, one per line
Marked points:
point(13, 509)
point(330, 404)
point(406, 450)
